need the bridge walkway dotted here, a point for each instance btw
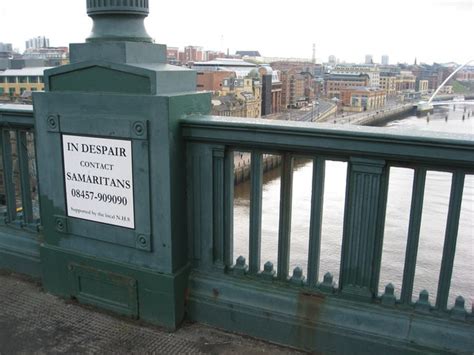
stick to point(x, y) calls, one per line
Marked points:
point(32, 321)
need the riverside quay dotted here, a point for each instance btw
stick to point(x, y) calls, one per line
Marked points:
point(158, 244)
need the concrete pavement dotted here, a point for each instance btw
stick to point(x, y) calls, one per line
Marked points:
point(34, 322)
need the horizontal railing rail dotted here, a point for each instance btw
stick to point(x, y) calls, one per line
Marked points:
point(429, 149)
point(370, 153)
point(16, 116)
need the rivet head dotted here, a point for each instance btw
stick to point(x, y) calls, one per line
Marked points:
point(52, 121)
point(139, 128)
point(59, 225)
point(142, 240)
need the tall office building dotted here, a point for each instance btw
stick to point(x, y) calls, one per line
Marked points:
point(37, 42)
point(385, 59)
point(369, 59)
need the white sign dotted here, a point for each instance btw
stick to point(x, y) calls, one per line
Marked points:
point(99, 180)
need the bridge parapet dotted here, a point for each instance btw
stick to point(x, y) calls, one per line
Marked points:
point(236, 293)
point(239, 295)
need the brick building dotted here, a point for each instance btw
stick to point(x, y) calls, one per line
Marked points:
point(213, 55)
point(465, 74)
point(212, 80)
point(193, 54)
point(293, 89)
point(360, 99)
point(371, 70)
point(405, 81)
point(334, 83)
point(172, 54)
point(388, 83)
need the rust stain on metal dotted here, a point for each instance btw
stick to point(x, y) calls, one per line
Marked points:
point(308, 312)
point(309, 305)
point(186, 295)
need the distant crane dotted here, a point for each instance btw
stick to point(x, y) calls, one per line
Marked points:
point(314, 53)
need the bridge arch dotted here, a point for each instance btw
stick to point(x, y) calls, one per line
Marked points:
point(447, 79)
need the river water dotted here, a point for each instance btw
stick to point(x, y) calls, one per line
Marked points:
point(433, 226)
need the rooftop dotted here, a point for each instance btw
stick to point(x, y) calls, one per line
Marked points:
point(33, 71)
point(248, 53)
point(348, 65)
point(350, 76)
point(222, 62)
point(363, 88)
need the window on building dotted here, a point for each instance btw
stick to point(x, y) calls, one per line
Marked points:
point(12, 91)
point(41, 79)
point(2, 91)
point(33, 89)
point(22, 79)
point(11, 79)
point(32, 79)
point(22, 90)
point(3, 79)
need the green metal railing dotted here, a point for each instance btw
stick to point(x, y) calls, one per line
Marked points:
point(19, 204)
point(19, 190)
point(370, 154)
point(211, 143)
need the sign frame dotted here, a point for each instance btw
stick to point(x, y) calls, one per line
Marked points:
point(135, 131)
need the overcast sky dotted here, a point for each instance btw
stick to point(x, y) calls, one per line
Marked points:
point(430, 30)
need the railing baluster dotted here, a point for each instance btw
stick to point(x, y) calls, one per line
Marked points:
point(363, 220)
point(450, 239)
point(218, 204)
point(8, 175)
point(228, 207)
point(284, 230)
point(194, 196)
point(317, 197)
point(22, 145)
point(416, 210)
point(255, 228)
point(377, 264)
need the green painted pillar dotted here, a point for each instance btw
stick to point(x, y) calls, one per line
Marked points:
point(111, 163)
point(362, 242)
